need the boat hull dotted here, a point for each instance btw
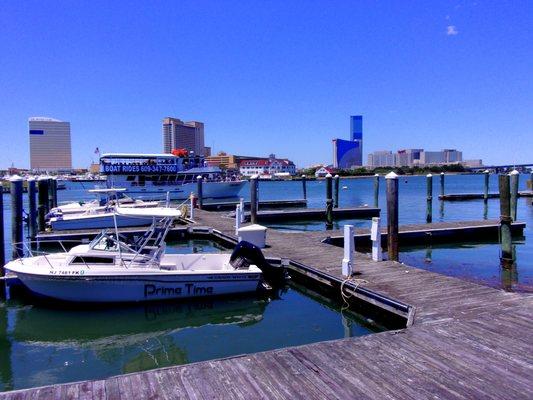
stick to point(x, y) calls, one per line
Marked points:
point(139, 288)
point(97, 221)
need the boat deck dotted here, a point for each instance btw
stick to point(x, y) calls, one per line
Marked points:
point(466, 341)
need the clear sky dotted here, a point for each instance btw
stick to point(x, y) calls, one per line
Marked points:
point(271, 76)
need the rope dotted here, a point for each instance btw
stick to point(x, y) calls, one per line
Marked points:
point(347, 296)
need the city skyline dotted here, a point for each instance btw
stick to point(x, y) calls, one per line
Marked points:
point(271, 77)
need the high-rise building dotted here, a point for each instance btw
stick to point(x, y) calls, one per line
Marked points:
point(408, 157)
point(349, 153)
point(183, 135)
point(50, 145)
point(383, 158)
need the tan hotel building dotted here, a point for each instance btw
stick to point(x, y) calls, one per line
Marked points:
point(50, 145)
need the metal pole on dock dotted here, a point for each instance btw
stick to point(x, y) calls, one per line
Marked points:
point(192, 205)
point(32, 215)
point(17, 228)
point(329, 202)
point(375, 236)
point(505, 217)
point(200, 190)
point(429, 207)
point(241, 203)
point(514, 178)
point(237, 219)
point(376, 190)
point(336, 192)
point(392, 215)
point(442, 183)
point(349, 245)
point(42, 203)
point(304, 186)
point(486, 186)
point(253, 199)
point(2, 242)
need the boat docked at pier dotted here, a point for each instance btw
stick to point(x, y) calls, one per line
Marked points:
point(116, 268)
point(152, 176)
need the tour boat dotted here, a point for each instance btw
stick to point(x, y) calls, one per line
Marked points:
point(115, 268)
point(152, 176)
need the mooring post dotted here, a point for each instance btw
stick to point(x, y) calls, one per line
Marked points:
point(54, 192)
point(200, 190)
point(2, 241)
point(32, 202)
point(429, 206)
point(349, 245)
point(486, 186)
point(329, 202)
point(192, 205)
point(241, 204)
point(42, 203)
point(336, 193)
point(375, 236)
point(50, 194)
point(442, 183)
point(392, 215)
point(253, 199)
point(505, 217)
point(304, 186)
point(237, 219)
point(514, 180)
point(17, 227)
point(376, 190)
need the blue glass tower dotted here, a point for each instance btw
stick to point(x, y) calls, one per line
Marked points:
point(356, 127)
point(349, 153)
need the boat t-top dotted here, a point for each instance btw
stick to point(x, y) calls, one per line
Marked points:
point(152, 176)
point(116, 268)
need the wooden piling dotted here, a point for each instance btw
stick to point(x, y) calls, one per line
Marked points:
point(32, 213)
point(442, 183)
point(329, 202)
point(392, 215)
point(304, 186)
point(486, 185)
point(514, 180)
point(2, 241)
point(17, 227)
point(505, 217)
point(54, 192)
point(336, 192)
point(429, 198)
point(376, 190)
point(42, 203)
point(253, 199)
point(50, 193)
point(200, 190)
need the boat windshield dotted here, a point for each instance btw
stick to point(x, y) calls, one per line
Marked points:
point(108, 242)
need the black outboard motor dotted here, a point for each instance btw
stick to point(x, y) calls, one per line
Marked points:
point(246, 254)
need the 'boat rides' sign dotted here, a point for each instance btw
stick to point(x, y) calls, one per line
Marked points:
point(139, 169)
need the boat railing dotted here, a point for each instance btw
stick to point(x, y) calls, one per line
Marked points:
point(30, 245)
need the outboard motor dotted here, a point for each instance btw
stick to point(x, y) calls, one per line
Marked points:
point(246, 254)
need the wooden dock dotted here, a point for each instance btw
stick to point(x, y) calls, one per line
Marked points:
point(314, 214)
point(263, 204)
point(479, 196)
point(463, 341)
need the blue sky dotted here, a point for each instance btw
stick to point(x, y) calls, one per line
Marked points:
point(271, 76)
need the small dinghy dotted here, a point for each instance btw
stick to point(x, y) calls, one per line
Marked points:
point(115, 268)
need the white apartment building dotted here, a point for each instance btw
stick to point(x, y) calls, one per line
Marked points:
point(50, 144)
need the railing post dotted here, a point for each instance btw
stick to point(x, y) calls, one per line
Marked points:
point(253, 199)
point(376, 190)
point(375, 236)
point(42, 203)
point(336, 192)
point(17, 228)
point(304, 186)
point(392, 215)
point(505, 217)
point(442, 183)
point(486, 185)
point(349, 245)
point(514, 180)
point(237, 219)
point(200, 191)
point(32, 214)
point(429, 206)
point(329, 202)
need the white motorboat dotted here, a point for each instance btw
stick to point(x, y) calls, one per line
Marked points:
point(100, 215)
point(113, 268)
point(106, 198)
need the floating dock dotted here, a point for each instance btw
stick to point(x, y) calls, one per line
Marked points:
point(268, 204)
point(479, 196)
point(313, 214)
point(462, 340)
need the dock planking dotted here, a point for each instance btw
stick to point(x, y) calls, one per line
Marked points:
point(479, 196)
point(467, 341)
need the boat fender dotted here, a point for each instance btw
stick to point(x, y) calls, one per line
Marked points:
point(246, 254)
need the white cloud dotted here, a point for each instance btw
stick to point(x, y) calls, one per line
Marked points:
point(451, 30)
